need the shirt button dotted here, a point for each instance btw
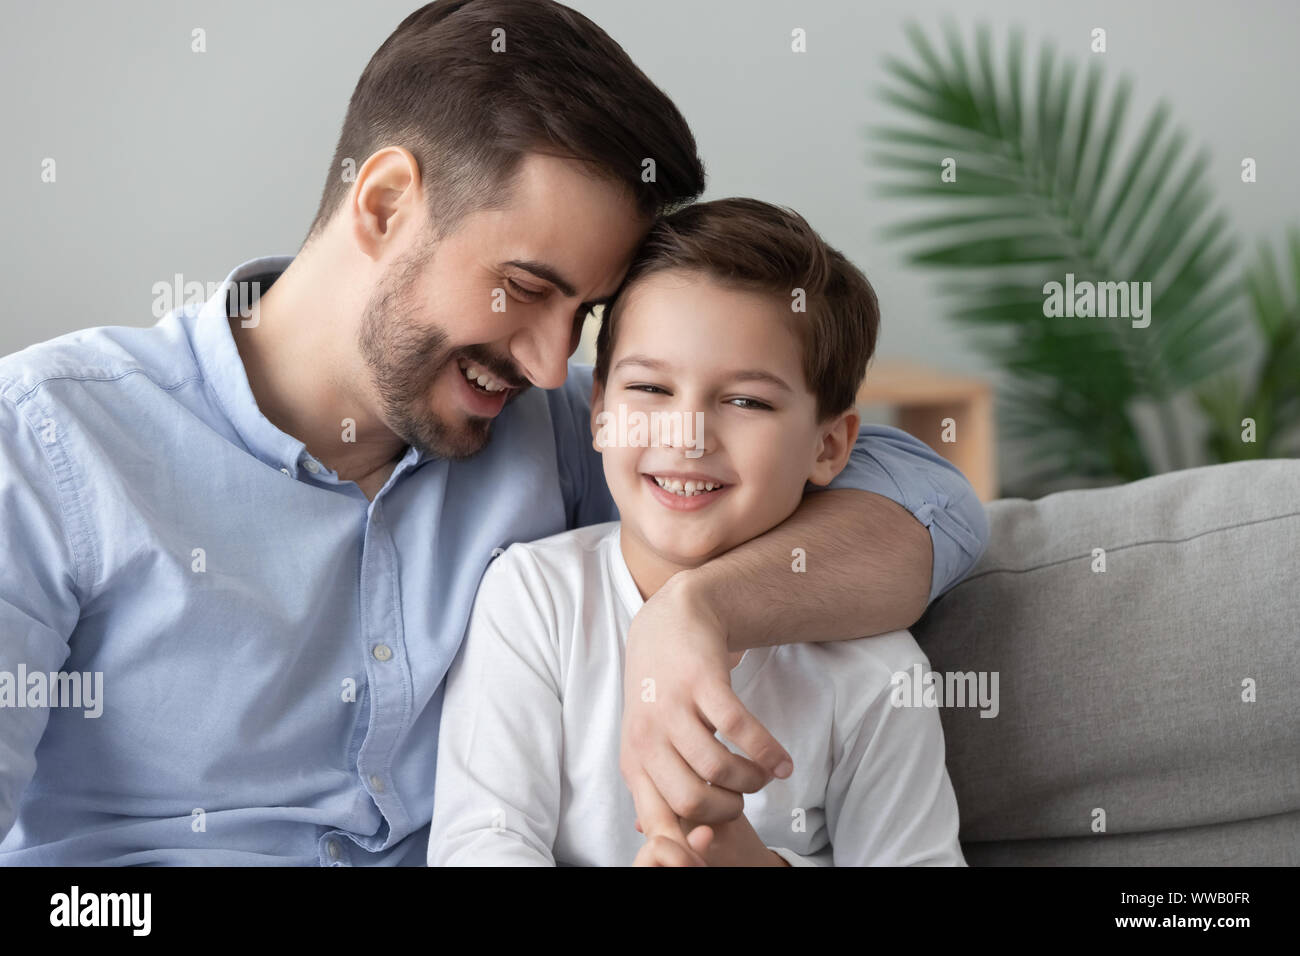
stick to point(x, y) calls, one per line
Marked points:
point(333, 849)
point(382, 652)
point(284, 471)
point(376, 784)
point(312, 466)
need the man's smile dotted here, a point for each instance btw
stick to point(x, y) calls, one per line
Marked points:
point(482, 392)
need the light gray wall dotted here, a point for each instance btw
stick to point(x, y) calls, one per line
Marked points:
point(172, 162)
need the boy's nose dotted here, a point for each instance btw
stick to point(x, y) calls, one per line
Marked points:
point(688, 429)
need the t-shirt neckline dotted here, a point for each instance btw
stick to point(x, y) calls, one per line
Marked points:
point(741, 675)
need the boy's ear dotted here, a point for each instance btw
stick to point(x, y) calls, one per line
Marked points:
point(597, 406)
point(838, 437)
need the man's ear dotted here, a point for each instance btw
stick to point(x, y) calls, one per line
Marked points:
point(838, 437)
point(597, 406)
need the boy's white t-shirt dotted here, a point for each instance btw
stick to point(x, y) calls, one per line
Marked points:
point(528, 751)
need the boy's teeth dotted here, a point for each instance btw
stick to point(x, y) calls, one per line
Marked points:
point(686, 489)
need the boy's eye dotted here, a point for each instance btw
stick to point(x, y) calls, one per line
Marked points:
point(647, 388)
point(752, 403)
point(523, 290)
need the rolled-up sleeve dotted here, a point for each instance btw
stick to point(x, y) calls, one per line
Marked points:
point(902, 468)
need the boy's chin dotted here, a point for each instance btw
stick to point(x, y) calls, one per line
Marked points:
point(684, 554)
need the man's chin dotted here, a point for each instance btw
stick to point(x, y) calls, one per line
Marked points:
point(456, 436)
point(435, 437)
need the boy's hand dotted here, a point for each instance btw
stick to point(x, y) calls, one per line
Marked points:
point(665, 851)
point(677, 693)
point(734, 843)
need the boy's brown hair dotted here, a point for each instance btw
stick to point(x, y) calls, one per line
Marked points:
point(754, 245)
point(470, 86)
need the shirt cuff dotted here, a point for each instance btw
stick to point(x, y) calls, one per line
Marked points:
point(794, 859)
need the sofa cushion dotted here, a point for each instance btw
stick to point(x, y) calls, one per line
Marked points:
point(1125, 732)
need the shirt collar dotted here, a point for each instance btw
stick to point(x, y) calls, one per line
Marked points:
point(218, 357)
point(223, 369)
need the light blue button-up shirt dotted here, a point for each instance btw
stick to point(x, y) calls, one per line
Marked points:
point(271, 644)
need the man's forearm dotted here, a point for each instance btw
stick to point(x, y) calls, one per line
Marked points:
point(846, 564)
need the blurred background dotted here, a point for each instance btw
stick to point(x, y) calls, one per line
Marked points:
point(1161, 150)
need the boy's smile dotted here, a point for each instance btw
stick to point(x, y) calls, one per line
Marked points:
point(685, 491)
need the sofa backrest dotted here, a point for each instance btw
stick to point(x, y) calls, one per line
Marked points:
point(1148, 713)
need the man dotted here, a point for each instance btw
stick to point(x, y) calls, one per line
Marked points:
point(264, 531)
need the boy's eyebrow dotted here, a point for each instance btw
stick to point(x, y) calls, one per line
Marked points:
point(551, 275)
point(758, 375)
point(740, 375)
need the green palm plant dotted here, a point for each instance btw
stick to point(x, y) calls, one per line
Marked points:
point(1267, 391)
point(1042, 189)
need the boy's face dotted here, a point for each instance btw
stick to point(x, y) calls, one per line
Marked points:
point(729, 361)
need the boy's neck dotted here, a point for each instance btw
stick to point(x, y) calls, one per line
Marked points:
point(650, 572)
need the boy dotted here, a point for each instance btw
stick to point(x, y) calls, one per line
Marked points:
point(742, 338)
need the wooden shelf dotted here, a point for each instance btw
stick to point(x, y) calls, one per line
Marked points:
point(923, 397)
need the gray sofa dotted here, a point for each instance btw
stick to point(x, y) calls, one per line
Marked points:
point(1123, 691)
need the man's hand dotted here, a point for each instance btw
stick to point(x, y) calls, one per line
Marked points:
point(677, 693)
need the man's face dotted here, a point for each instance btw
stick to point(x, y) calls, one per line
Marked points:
point(502, 298)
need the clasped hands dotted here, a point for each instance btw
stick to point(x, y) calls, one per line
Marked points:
point(687, 786)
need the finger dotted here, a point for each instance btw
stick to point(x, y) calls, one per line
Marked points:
point(638, 826)
point(713, 762)
point(667, 826)
point(700, 839)
point(723, 709)
point(688, 796)
point(671, 853)
point(654, 815)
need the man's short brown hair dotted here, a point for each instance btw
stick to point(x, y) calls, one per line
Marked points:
point(471, 86)
point(754, 245)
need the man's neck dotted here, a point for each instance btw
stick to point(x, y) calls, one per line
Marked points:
point(297, 352)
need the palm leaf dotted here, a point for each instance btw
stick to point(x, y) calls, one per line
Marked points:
point(1042, 190)
point(1270, 394)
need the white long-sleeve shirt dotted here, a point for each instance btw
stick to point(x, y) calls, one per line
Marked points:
point(528, 751)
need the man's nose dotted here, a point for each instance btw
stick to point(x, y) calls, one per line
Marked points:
point(542, 349)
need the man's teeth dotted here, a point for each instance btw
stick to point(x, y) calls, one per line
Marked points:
point(481, 377)
point(686, 489)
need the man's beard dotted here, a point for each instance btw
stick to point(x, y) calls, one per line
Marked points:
point(405, 359)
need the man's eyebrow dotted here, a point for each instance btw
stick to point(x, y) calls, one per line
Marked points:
point(546, 272)
point(739, 375)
